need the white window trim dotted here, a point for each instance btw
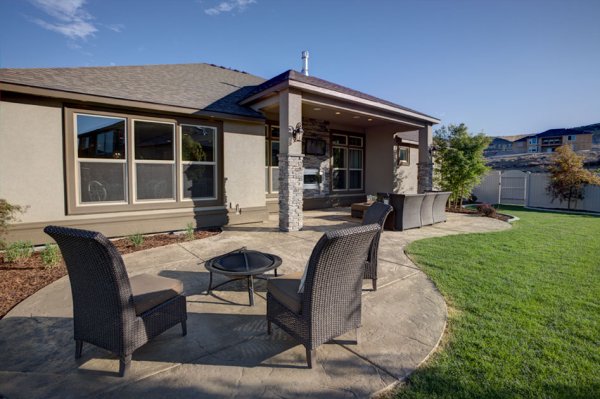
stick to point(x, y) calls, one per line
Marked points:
point(78, 161)
point(186, 163)
point(135, 162)
point(269, 167)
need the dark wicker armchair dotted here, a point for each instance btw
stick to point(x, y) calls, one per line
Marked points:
point(330, 304)
point(110, 310)
point(376, 213)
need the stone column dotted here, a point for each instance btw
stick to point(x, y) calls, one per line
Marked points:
point(291, 169)
point(425, 164)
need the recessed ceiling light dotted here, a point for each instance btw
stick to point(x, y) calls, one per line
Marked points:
point(337, 112)
point(317, 109)
point(370, 119)
point(355, 117)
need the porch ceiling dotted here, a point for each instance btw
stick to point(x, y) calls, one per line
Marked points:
point(343, 114)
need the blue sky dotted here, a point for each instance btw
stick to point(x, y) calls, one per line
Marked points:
point(501, 67)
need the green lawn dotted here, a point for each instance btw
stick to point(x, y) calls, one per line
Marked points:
point(524, 310)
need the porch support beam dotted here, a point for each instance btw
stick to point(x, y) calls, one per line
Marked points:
point(291, 169)
point(425, 164)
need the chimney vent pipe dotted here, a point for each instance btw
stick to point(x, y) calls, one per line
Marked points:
point(305, 62)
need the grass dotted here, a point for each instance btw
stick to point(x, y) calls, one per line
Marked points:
point(524, 310)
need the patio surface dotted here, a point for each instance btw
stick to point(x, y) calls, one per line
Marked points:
point(227, 352)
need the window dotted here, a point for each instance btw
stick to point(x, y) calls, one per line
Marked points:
point(403, 156)
point(198, 161)
point(347, 162)
point(101, 159)
point(532, 149)
point(533, 140)
point(154, 160)
point(120, 162)
point(271, 159)
point(571, 138)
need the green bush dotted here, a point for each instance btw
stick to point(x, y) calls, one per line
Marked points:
point(7, 214)
point(136, 239)
point(18, 250)
point(189, 232)
point(50, 255)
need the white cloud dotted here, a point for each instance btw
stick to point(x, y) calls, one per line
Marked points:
point(228, 6)
point(69, 18)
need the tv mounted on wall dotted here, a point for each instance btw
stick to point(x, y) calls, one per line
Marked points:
point(315, 147)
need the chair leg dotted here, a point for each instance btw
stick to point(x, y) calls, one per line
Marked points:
point(78, 348)
point(184, 328)
point(374, 284)
point(124, 364)
point(310, 357)
point(269, 327)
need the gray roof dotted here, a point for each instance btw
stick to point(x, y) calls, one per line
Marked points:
point(325, 84)
point(199, 86)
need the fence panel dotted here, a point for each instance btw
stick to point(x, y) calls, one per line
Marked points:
point(539, 197)
point(488, 190)
point(513, 185)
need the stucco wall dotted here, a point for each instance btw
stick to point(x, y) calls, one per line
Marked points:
point(244, 164)
point(406, 176)
point(31, 159)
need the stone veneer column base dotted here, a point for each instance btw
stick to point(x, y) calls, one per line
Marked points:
point(291, 191)
point(424, 177)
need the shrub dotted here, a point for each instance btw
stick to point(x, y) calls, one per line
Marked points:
point(50, 255)
point(136, 239)
point(18, 250)
point(7, 214)
point(486, 210)
point(189, 232)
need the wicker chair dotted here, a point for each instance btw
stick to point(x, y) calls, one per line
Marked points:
point(427, 209)
point(439, 206)
point(376, 213)
point(110, 310)
point(330, 304)
point(407, 210)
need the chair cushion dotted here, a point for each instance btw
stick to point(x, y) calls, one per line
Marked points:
point(285, 290)
point(150, 291)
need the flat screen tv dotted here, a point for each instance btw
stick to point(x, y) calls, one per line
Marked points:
point(315, 147)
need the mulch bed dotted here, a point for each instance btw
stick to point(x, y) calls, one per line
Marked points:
point(18, 280)
point(499, 216)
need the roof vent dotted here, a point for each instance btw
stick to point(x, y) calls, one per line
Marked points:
point(305, 62)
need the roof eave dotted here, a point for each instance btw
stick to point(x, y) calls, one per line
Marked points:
point(82, 97)
point(290, 83)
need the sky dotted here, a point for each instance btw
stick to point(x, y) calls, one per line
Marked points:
point(501, 67)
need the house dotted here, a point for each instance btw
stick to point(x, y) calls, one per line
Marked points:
point(578, 138)
point(151, 148)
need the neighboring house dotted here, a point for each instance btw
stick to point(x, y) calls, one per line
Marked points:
point(152, 148)
point(578, 138)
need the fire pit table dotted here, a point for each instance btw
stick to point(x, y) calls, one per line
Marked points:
point(242, 264)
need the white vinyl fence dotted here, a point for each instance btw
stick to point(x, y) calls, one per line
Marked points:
point(513, 187)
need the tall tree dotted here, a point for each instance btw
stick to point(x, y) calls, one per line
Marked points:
point(459, 161)
point(568, 177)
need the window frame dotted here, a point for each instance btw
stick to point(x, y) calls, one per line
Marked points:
point(347, 147)
point(269, 140)
point(402, 162)
point(215, 163)
point(136, 162)
point(75, 207)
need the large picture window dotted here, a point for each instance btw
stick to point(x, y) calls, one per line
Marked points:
point(347, 164)
point(122, 162)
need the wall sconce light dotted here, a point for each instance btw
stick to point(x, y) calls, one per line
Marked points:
point(296, 132)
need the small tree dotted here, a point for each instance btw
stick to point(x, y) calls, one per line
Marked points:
point(568, 177)
point(459, 162)
point(8, 214)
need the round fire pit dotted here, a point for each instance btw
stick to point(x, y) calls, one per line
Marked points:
point(242, 264)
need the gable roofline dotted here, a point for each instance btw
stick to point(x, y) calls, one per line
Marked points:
point(294, 79)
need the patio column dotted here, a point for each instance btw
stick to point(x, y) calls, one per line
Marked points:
point(425, 164)
point(291, 169)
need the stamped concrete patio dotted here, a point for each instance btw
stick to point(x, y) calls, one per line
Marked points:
point(227, 352)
